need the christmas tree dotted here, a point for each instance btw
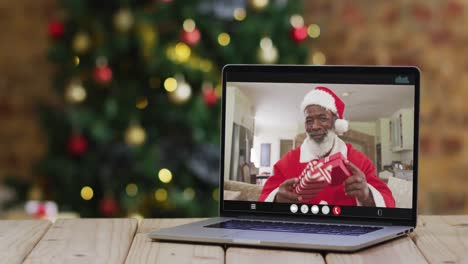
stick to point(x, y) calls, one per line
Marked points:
point(138, 131)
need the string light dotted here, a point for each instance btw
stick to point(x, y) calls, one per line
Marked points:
point(189, 193)
point(266, 43)
point(189, 25)
point(170, 84)
point(239, 14)
point(135, 135)
point(182, 52)
point(259, 4)
point(215, 194)
point(165, 175)
point(182, 93)
point(296, 21)
point(131, 189)
point(87, 193)
point(318, 58)
point(267, 52)
point(75, 93)
point(313, 31)
point(224, 39)
point(142, 103)
point(160, 195)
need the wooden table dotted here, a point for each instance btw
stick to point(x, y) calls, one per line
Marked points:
point(438, 239)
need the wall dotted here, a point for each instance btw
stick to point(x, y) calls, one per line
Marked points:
point(24, 81)
point(242, 115)
point(432, 36)
point(368, 128)
point(383, 128)
point(273, 136)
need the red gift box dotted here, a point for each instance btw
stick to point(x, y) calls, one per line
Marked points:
point(319, 173)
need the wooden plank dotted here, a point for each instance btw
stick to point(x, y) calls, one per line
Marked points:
point(18, 238)
point(401, 250)
point(270, 256)
point(442, 239)
point(85, 241)
point(144, 250)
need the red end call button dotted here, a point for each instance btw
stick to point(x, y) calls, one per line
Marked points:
point(336, 210)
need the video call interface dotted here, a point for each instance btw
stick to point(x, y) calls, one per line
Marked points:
point(320, 148)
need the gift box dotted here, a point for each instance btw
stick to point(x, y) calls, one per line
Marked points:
point(318, 174)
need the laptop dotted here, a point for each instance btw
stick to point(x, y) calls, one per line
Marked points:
point(314, 157)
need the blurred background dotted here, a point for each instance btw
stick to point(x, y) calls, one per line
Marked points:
point(112, 108)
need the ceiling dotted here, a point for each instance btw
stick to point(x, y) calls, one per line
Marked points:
point(277, 104)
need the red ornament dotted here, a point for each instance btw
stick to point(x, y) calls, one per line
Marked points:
point(108, 206)
point(191, 38)
point(41, 210)
point(299, 34)
point(77, 145)
point(209, 96)
point(56, 29)
point(102, 75)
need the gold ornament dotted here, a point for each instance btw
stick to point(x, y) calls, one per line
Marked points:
point(160, 195)
point(170, 84)
point(224, 39)
point(131, 189)
point(165, 175)
point(318, 58)
point(239, 14)
point(313, 31)
point(81, 42)
point(87, 193)
point(182, 92)
point(182, 52)
point(123, 20)
point(142, 103)
point(135, 135)
point(258, 4)
point(75, 93)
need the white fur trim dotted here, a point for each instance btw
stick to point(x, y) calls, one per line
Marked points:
point(307, 149)
point(271, 196)
point(378, 198)
point(341, 126)
point(319, 97)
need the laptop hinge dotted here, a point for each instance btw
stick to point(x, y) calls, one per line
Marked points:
point(295, 219)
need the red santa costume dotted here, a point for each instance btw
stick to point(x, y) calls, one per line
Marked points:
point(295, 161)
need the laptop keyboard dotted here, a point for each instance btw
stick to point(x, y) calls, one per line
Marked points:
point(329, 229)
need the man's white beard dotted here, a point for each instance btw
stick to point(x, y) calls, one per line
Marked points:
point(322, 148)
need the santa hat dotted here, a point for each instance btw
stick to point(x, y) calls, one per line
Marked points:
point(326, 98)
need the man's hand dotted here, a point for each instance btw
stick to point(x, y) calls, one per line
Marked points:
point(356, 185)
point(285, 192)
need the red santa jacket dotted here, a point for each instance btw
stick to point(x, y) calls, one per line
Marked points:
point(289, 166)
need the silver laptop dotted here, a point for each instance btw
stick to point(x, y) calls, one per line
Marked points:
point(314, 157)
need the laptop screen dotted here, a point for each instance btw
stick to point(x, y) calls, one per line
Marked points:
point(320, 141)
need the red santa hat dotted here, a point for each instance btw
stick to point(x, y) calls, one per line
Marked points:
point(326, 98)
